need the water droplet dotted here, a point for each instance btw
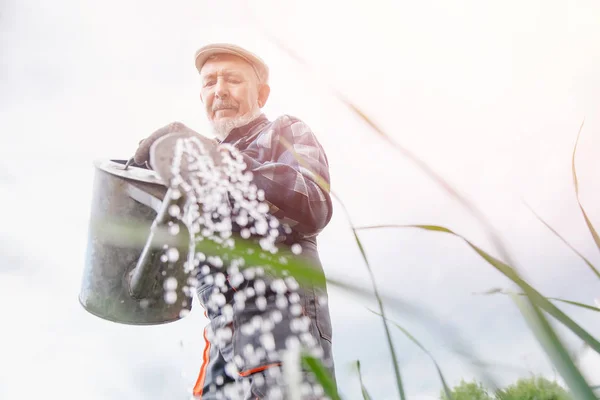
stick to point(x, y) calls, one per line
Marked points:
point(170, 297)
point(218, 299)
point(292, 343)
point(263, 208)
point(248, 350)
point(278, 286)
point(242, 219)
point(259, 286)
point(175, 194)
point(261, 227)
point(267, 341)
point(296, 248)
point(276, 316)
point(170, 283)
point(173, 254)
point(256, 322)
point(227, 312)
point(174, 210)
point(239, 297)
point(236, 279)
point(294, 298)
point(184, 313)
point(164, 258)
point(296, 309)
point(261, 303)
point(219, 280)
point(192, 281)
point(216, 261)
point(247, 329)
point(249, 273)
point(174, 229)
point(281, 302)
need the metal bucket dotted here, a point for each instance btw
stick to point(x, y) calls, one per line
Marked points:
point(128, 274)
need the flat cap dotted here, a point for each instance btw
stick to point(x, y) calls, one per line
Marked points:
point(260, 67)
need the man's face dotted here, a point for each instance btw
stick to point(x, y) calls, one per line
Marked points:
point(230, 88)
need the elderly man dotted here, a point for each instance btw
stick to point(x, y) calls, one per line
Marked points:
point(289, 167)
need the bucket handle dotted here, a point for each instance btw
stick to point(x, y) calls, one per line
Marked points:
point(143, 277)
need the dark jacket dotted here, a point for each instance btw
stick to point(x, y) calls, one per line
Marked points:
point(289, 164)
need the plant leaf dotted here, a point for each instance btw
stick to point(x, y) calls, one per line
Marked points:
point(589, 264)
point(386, 328)
point(555, 349)
point(363, 389)
point(415, 341)
point(322, 376)
point(537, 298)
point(576, 184)
point(571, 302)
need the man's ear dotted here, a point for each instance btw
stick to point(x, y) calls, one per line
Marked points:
point(263, 94)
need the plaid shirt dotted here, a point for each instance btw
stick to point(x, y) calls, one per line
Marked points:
point(290, 166)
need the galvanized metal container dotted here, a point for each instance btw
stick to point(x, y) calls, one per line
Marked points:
point(129, 275)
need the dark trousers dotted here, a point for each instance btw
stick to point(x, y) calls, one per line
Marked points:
point(245, 346)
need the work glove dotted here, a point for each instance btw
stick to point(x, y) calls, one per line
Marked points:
point(163, 151)
point(142, 154)
point(157, 151)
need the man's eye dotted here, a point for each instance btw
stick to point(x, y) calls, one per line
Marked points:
point(235, 80)
point(209, 83)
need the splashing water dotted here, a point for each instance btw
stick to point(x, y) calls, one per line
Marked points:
point(222, 204)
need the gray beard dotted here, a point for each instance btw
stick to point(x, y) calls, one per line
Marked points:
point(222, 128)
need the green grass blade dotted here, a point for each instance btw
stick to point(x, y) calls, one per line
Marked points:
point(316, 367)
point(571, 302)
point(363, 389)
point(589, 264)
point(555, 349)
point(538, 299)
point(386, 328)
point(576, 184)
point(415, 341)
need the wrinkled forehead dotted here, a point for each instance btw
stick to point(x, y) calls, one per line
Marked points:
point(223, 64)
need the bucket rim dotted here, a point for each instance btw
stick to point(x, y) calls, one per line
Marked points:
point(117, 167)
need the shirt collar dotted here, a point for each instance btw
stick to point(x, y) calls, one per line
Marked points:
point(240, 132)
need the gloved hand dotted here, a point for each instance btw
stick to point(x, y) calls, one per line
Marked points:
point(142, 154)
point(163, 151)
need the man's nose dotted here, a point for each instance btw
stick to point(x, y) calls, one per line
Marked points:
point(221, 89)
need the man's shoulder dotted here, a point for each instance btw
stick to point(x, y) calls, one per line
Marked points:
point(285, 120)
point(291, 124)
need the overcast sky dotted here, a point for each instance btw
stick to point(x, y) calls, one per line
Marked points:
point(489, 94)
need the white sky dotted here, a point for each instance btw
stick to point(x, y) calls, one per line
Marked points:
point(489, 94)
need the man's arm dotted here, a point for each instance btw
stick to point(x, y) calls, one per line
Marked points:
point(294, 177)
